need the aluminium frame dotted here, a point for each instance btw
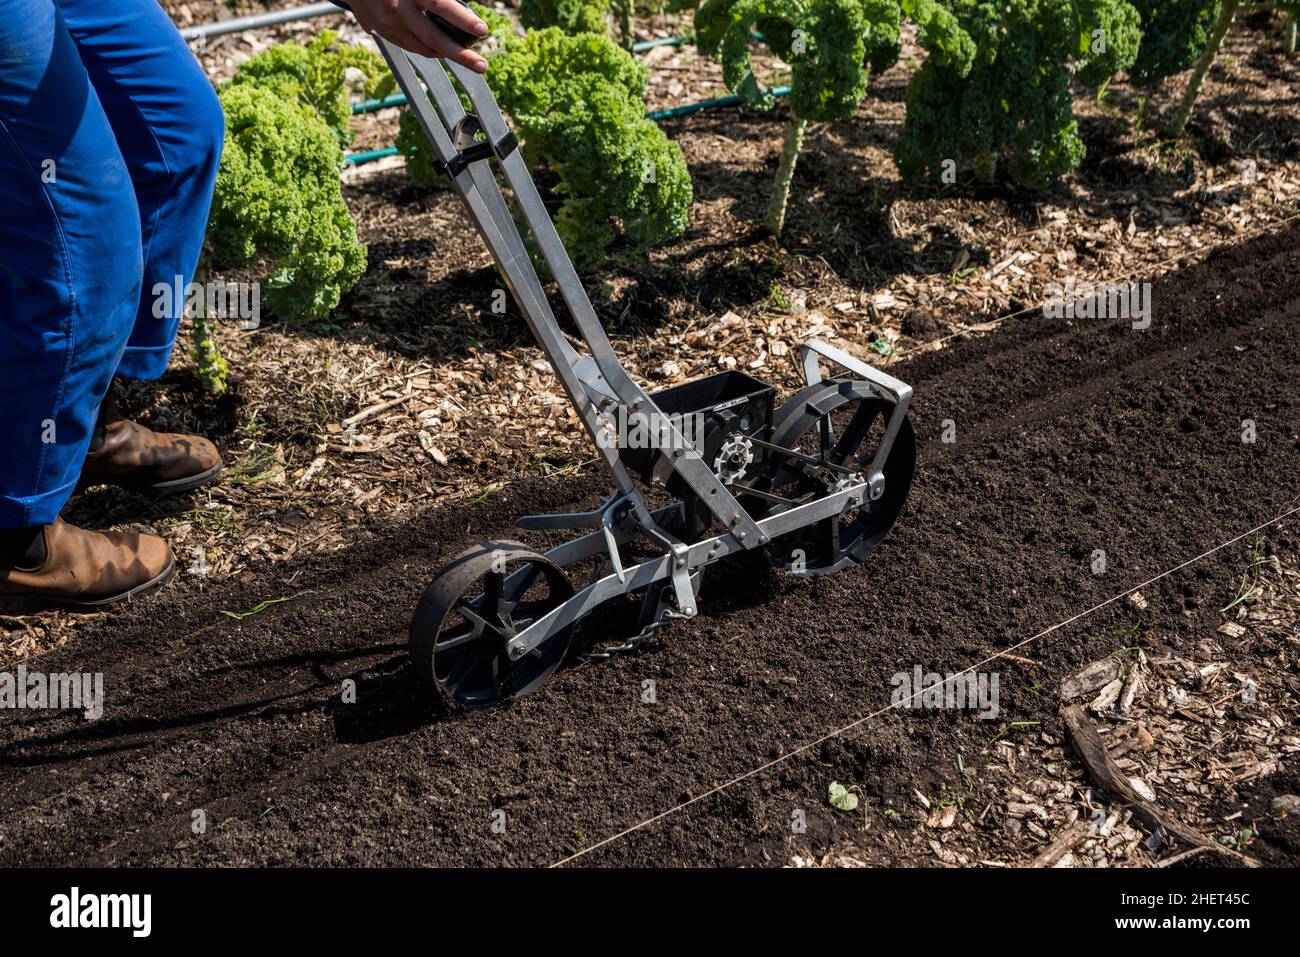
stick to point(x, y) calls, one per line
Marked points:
point(596, 382)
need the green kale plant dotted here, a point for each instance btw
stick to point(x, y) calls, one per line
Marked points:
point(316, 75)
point(578, 105)
point(832, 46)
point(1174, 35)
point(579, 16)
point(278, 198)
point(571, 16)
point(1011, 103)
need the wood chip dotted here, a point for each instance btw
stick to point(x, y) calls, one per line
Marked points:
point(1108, 696)
point(1055, 852)
point(942, 816)
point(1142, 788)
point(376, 409)
point(1089, 678)
point(1133, 686)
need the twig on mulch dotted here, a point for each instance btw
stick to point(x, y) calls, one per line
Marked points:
point(1063, 843)
point(1107, 776)
point(1183, 856)
point(376, 409)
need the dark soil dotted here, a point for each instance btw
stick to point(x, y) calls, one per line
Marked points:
point(1276, 835)
point(1069, 438)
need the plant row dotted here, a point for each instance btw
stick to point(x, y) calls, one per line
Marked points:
point(994, 96)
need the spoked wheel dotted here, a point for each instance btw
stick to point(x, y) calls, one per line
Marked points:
point(471, 610)
point(839, 422)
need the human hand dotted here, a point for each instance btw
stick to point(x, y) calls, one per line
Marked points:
point(405, 23)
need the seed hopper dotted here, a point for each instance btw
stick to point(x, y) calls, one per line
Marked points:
point(816, 482)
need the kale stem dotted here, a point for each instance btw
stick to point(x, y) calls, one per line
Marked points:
point(1178, 124)
point(784, 174)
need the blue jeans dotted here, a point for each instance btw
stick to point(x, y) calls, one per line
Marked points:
point(110, 137)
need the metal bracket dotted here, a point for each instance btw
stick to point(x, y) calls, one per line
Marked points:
point(471, 149)
point(664, 567)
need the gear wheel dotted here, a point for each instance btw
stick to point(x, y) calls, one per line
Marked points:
point(734, 458)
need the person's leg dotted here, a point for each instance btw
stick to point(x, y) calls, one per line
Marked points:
point(70, 261)
point(70, 268)
point(169, 127)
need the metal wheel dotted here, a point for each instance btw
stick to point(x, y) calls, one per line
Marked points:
point(471, 609)
point(841, 422)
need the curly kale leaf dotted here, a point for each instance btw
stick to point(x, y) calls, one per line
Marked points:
point(278, 198)
point(829, 75)
point(775, 20)
point(1008, 99)
point(950, 117)
point(578, 103)
point(1174, 34)
point(571, 16)
point(783, 23)
point(939, 32)
point(316, 75)
point(1110, 34)
point(831, 46)
point(883, 20)
point(535, 73)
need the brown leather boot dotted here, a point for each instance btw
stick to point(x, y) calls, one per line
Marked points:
point(127, 454)
point(86, 570)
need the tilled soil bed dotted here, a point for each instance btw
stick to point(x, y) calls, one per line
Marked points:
point(1069, 437)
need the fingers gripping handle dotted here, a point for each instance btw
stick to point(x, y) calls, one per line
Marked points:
point(462, 37)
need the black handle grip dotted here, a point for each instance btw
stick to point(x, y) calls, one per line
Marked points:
point(463, 37)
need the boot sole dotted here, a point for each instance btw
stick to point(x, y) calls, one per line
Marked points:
point(26, 604)
point(173, 487)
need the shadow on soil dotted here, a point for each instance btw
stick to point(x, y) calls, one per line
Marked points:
point(388, 700)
